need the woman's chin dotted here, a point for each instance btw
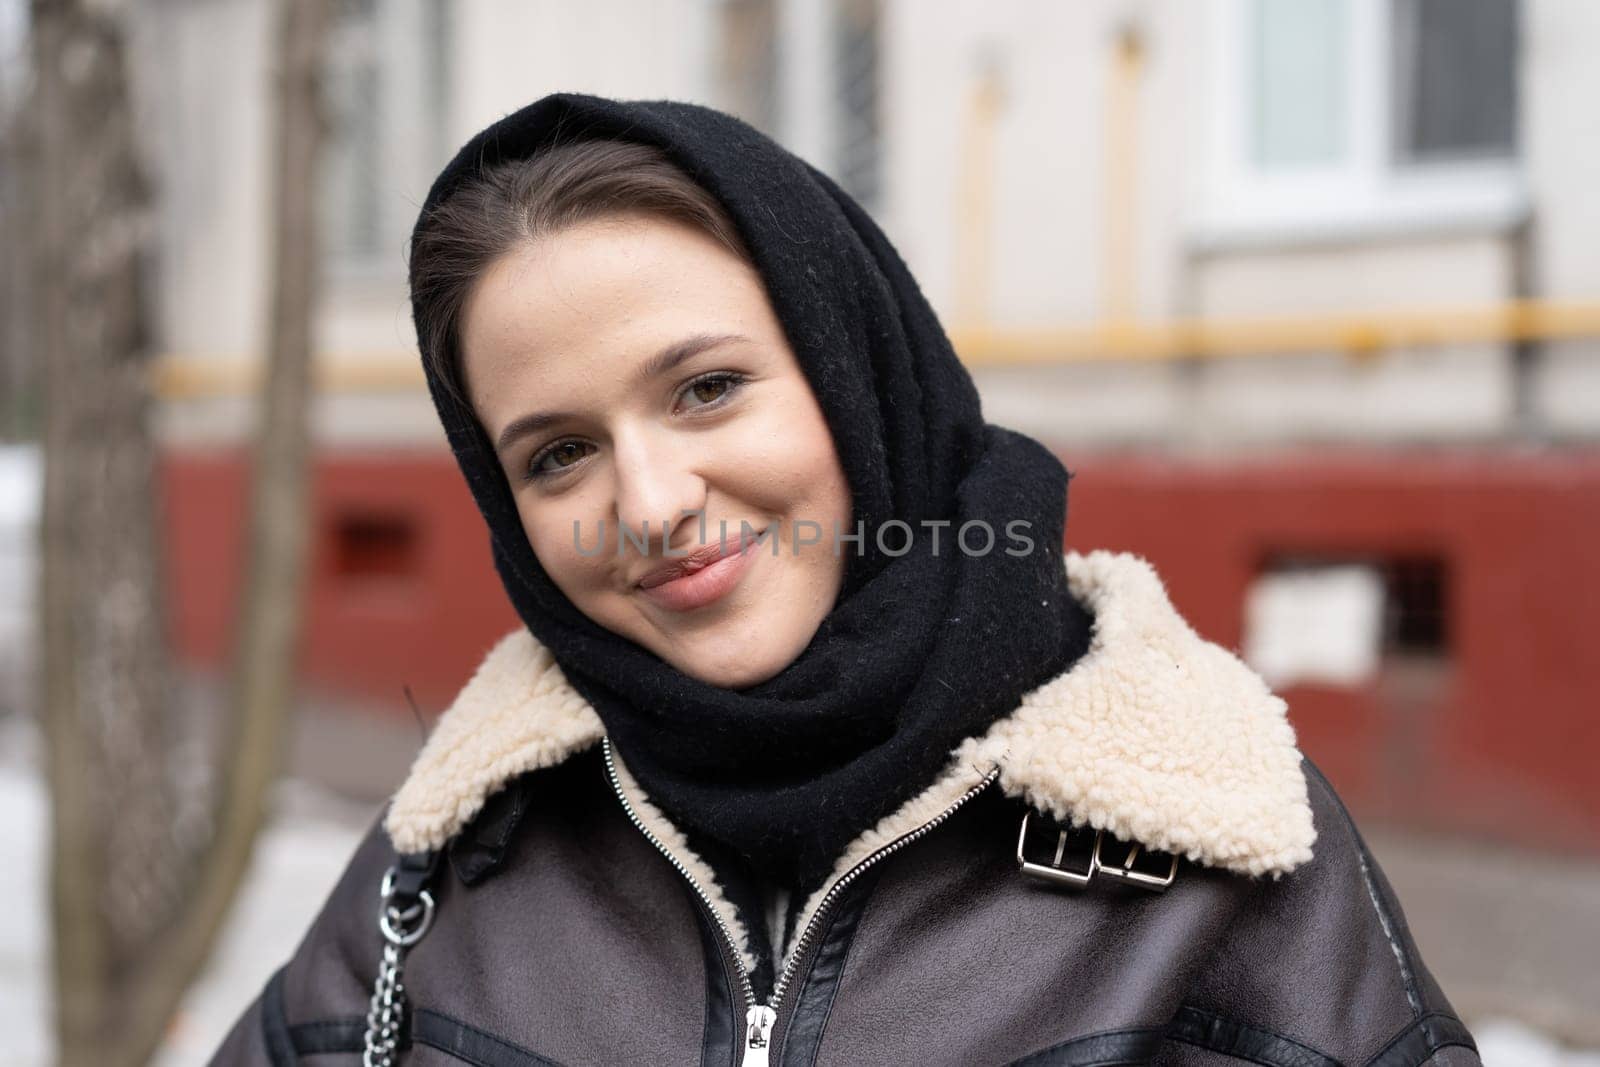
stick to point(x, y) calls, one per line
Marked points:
point(736, 663)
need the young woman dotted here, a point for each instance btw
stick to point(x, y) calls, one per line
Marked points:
point(815, 748)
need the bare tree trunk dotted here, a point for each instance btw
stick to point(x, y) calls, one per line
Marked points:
point(261, 691)
point(104, 686)
point(18, 402)
point(135, 911)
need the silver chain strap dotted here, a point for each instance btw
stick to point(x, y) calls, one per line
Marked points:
point(402, 928)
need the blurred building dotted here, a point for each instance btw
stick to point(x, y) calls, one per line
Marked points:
point(1306, 292)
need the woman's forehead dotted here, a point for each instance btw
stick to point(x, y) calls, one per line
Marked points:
point(599, 301)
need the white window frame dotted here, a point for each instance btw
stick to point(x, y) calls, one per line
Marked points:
point(410, 120)
point(808, 111)
point(1365, 193)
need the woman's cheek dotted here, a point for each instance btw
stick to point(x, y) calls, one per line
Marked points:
point(775, 443)
point(568, 547)
point(803, 457)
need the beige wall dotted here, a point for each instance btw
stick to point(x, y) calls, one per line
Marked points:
point(1048, 209)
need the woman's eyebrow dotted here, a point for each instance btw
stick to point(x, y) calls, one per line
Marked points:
point(662, 362)
point(668, 358)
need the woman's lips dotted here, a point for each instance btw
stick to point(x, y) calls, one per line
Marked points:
point(708, 584)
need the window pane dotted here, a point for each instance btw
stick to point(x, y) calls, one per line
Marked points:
point(1455, 78)
point(438, 43)
point(856, 68)
point(1299, 68)
point(748, 62)
point(350, 167)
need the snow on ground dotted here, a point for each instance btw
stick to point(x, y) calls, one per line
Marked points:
point(1503, 1043)
point(20, 484)
point(297, 861)
point(295, 866)
point(22, 927)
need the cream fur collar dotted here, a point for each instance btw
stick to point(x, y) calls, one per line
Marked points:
point(1155, 735)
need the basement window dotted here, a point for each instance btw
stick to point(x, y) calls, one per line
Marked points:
point(1416, 612)
point(375, 546)
point(1335, 621)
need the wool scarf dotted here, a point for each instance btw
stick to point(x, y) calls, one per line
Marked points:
point(931, 639)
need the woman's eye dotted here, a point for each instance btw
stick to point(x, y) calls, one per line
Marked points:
point(557, 457)
point(704, 392)
point(711, 389)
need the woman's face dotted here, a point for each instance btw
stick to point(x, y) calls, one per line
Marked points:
point(632, 375)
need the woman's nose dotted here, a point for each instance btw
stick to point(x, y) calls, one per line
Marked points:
point(658, 491)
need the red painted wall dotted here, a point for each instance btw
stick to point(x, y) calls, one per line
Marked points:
point(1502, 739)
point(385, 610)
point(1499, 740)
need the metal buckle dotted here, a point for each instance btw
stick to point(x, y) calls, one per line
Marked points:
point(1156, 883)
point(1053, 871)
point(1123, 872)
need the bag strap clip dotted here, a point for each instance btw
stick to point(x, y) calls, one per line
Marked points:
point(404, 917)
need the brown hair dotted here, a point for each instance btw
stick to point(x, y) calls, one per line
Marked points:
point(525, 199)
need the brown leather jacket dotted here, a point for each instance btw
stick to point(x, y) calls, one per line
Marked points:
point(1121, 871)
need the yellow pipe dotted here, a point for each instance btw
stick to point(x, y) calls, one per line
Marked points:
point(975, 219)
point(192, 377)
point(1117, 272)
point(1353, 334)
point(178, 377)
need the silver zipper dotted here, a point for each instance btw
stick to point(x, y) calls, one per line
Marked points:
point(758, 1035)
point(760, 1019)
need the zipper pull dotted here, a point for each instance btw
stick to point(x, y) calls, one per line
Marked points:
point(757, 1033)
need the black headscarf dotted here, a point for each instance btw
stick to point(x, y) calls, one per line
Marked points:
point(922, 649)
